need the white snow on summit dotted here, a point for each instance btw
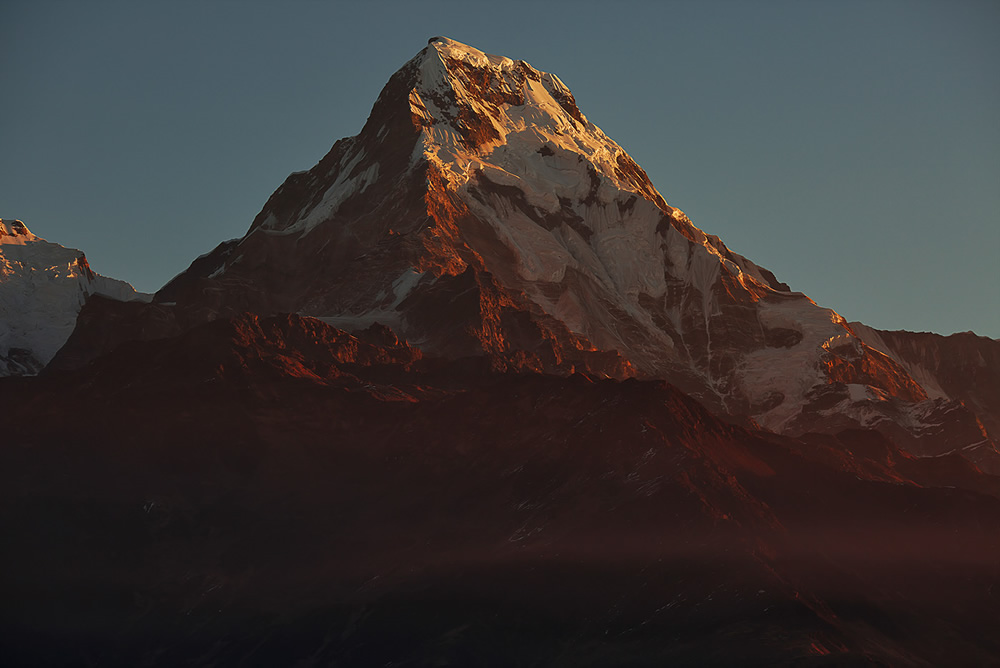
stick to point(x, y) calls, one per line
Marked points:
point(541, 120)
point(558, 160)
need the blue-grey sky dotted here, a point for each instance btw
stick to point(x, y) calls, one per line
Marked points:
point(851, 147)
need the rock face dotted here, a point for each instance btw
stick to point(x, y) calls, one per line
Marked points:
point(42, 289)
point(479, 212)
point(961, 367)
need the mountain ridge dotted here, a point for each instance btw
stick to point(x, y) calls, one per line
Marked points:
point(481, 163)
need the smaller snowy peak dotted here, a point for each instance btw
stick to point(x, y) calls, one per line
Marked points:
point(43, 286)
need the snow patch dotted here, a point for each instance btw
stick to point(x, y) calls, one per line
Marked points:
point(344, 187)
point(793, 371)
point(858, 392)
point(403, 286)
point(384, 315)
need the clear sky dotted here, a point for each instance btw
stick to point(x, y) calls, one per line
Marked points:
point(853, 148)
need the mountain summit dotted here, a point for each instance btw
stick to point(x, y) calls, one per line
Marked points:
point(479, 212)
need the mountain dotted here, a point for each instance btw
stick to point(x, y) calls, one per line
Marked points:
point(43, 286)
point(276, 491)
point(479, 212)
point(470, 392)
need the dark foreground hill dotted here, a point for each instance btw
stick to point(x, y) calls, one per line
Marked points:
point(276, 492)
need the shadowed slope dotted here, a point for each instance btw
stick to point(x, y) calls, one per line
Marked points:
point(264, 491)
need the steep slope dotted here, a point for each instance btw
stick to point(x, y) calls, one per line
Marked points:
point(42, 288)
point(480, 212)
point(274, 491)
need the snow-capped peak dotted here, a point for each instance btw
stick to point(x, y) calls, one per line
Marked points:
point(491, 124)
point(477, 173)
